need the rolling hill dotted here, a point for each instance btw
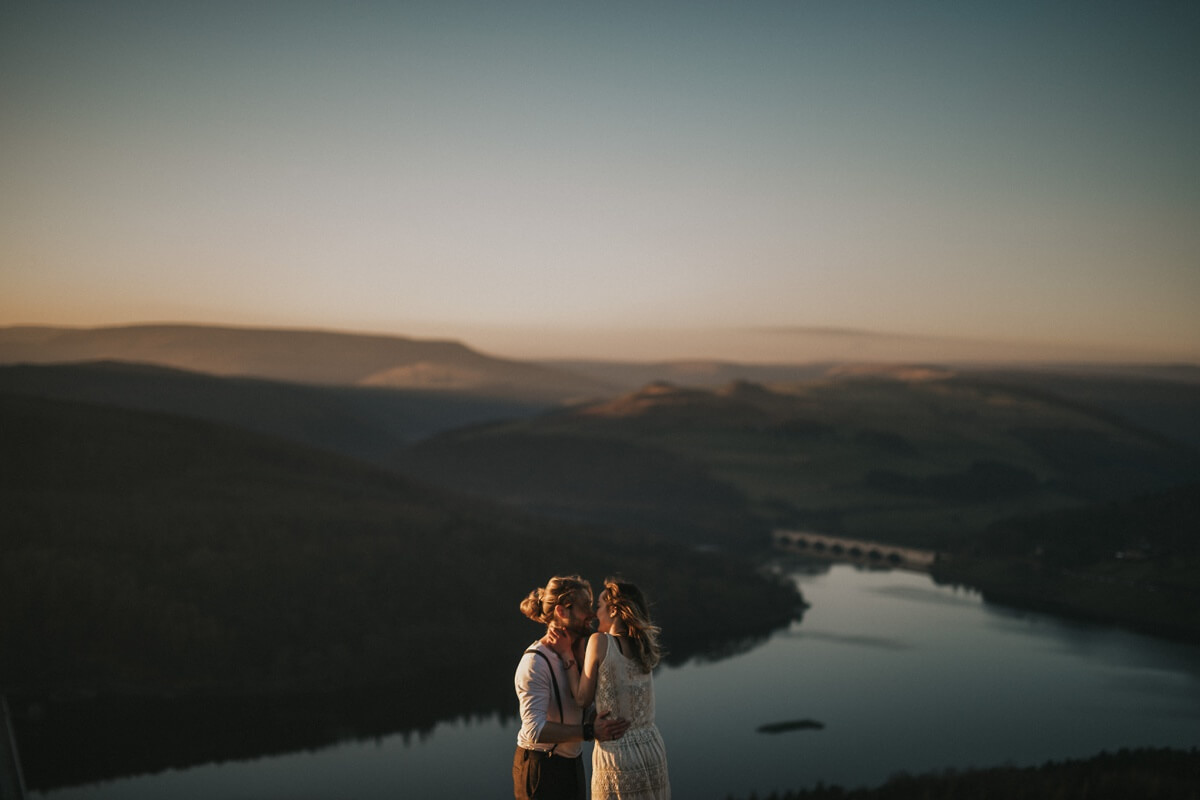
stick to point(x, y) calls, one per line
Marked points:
point(366, 423)
point(918, 454)
point(921, 456)
point(301, 356)
point(1165, 400)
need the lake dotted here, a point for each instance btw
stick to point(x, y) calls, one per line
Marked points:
point(903, 674)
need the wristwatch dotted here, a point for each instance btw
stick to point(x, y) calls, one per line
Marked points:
point(589, 731)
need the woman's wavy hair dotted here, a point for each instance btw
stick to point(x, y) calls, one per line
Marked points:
point(562, 589)
point(632, 609)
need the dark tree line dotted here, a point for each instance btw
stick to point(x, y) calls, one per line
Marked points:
point(1149, 774)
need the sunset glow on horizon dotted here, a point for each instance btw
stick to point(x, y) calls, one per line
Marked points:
point(767, 181)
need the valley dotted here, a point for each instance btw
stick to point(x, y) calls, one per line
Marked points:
point(196, 537)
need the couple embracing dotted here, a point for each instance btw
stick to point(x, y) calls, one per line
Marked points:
point(575, 686)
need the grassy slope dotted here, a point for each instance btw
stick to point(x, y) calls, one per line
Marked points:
point(1162, 400)
point(926, 462)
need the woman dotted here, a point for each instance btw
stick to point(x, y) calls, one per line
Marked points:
point(616, 675)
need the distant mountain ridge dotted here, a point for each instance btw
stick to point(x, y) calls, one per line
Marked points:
point(630, 375)
point(303, 356)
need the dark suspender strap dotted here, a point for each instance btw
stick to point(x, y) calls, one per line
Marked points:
point(553, 680)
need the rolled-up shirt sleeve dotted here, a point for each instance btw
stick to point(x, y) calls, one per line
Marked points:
point(533, 693)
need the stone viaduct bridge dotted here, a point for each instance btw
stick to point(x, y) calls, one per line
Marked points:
point(822, 546)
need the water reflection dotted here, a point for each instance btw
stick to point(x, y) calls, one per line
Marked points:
point(901, 674)
point(114, 737)
point(928, 594)
point(880, 642)
point(910, 676)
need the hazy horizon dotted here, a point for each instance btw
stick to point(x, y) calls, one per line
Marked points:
point(770, 182)
point(762, 346)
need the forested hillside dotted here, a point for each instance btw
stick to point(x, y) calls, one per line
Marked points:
point(151, 555)
point(150, 550)
point(923, 457)
point(368, 423)
point(1133, 562)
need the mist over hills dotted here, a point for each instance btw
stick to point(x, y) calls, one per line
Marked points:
point(891, 451)
point(1158, 397)
point(302, 356)
point(624, 376)
point(627, 374)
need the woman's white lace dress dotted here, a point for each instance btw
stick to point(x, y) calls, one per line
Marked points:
point(633, 767)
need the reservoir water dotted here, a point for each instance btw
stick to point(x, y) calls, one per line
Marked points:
point(903, 675)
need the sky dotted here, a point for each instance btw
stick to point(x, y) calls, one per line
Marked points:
point(763, 181)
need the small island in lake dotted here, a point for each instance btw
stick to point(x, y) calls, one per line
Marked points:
point(791, 725)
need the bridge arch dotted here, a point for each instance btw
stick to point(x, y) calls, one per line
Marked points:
point(845, 548)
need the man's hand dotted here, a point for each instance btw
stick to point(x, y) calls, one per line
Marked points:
point(609, 729)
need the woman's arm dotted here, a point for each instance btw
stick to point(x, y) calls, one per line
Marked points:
point(583, 681)
point(534, 691)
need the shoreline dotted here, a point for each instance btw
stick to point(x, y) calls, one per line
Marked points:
point(1082, 595)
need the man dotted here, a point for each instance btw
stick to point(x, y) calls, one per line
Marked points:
point(547, 763)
